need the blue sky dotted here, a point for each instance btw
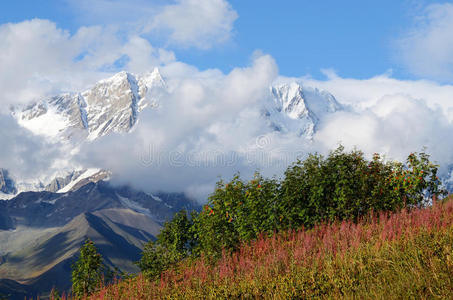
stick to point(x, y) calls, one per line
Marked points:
point(354, 38)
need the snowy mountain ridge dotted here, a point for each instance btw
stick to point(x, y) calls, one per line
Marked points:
point(113, 105)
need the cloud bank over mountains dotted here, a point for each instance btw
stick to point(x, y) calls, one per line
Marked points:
point(210, 123)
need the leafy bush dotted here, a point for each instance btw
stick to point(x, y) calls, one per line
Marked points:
point(342, 186)
point(173, 244)
point(347, 186)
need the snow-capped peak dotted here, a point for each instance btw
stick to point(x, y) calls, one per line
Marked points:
point(153, 79)
point(117, 79)
point(111, 105)
point(298, 109)
point(289, 100)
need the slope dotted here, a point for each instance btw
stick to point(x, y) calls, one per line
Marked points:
point(46, 264)
point(405, 255)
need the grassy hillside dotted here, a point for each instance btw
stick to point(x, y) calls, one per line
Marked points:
point(400, 255)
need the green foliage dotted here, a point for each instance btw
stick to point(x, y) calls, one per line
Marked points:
point(341, 186)
point(173, 244)
point(87, 271)
point(237, 211)
point(55, 294)
point(347, 186)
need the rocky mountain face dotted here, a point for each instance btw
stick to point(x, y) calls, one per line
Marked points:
point(46, 263)
point(59, 183)
point(47, 209)
point(112, 105)
point(41, 232)
point(7, 185)
point(75, 180)
point(296, 109)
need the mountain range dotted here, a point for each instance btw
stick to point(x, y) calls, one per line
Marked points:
point(114, 105)
point(44, 222)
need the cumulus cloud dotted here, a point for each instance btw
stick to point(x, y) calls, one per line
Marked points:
point(390, 116)
point(363, 93)
point(395, 126)
point(25, 155)
point(185, 23)
point(40, 59)
point(427, 49)
point(198, 23)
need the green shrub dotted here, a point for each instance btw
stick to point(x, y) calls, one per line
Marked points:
point(87, 271)
point(173, 244)
point(341, 186)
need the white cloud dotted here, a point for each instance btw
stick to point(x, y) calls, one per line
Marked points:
point(390, 116)
point(395, 126)
point(198, 23)
point(367, 92)
point(185, 23)
point(39, 59)
point(427, 49)
point(210, 125)
point(24, 155)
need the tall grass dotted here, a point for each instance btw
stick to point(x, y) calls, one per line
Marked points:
point(400, 255)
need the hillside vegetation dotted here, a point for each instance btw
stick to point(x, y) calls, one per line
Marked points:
point(336, 226)
point(399, 255)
